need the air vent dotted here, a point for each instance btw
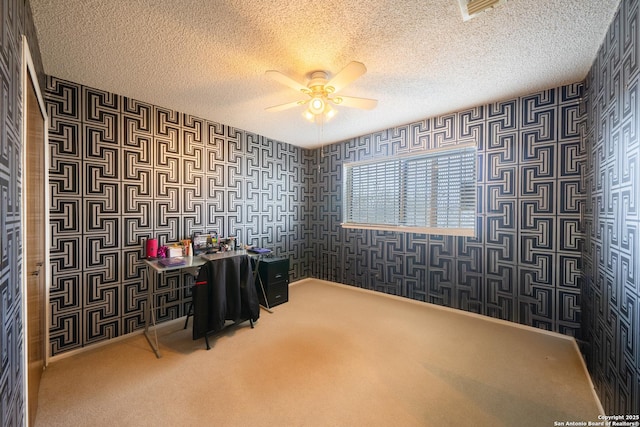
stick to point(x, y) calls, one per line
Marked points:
point(473, 8)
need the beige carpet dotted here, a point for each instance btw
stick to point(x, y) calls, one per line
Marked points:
point(332, 356)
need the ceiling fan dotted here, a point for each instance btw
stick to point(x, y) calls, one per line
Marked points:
point(321, 92)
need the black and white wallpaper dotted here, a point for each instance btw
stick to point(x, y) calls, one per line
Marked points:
point(123, 171)
point(524, 265)
point(15, 20)
point(558, 221)
point(611, 257)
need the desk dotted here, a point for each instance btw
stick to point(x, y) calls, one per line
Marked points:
point(154, 269)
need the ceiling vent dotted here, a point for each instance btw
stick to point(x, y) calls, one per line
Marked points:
point(473, 8)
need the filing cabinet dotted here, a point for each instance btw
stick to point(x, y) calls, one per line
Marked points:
point(274, 273)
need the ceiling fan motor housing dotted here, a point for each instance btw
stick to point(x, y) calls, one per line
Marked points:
point(318, 78)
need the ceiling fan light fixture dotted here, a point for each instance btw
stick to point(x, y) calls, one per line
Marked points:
point(309, 115)
point(319, 116)
point(329, 112)
point(316, 106)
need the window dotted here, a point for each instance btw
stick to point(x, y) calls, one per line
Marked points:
point(431, 192)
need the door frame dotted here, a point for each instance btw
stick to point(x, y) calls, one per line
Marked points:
point(29, 73)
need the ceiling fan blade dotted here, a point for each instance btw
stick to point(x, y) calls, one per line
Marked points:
point(353, 102)
point(287, 81)
point(287, 105)
point(352, 71)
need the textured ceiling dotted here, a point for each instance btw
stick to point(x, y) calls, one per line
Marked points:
point(208, 58)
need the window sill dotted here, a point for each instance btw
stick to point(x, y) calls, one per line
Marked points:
point(462, 232)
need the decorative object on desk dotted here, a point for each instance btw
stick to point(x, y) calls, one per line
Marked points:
point(186, 247)
point(174, 250)
point(152, 248)
point(228, 244)
point(162, 251)
point(204, 243)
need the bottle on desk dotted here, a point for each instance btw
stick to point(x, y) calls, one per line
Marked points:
point(187, 248)
point(152, 248)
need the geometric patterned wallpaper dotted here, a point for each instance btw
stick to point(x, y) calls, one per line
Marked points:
point(524, 263)
point(611, 262)
point(15, 20)
point(558, 222)
point(123, 171)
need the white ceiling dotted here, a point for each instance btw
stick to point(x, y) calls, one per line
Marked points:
point(208, 58)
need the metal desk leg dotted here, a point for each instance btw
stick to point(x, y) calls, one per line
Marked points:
point(265, 296)
point(256, 275)
point(151, 282)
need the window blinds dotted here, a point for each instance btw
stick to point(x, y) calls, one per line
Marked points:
point(431, 191)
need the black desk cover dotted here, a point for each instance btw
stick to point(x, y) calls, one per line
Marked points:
point(224, 290)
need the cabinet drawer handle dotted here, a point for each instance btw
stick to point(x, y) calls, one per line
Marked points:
point(277, 276)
